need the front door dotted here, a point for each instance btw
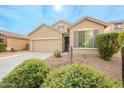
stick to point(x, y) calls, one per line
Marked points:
point(66, 48)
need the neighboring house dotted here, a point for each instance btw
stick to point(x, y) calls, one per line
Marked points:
point(63, 35)
point(13, 40)
point(115, 26)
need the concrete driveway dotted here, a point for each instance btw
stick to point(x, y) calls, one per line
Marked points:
point(9, 63)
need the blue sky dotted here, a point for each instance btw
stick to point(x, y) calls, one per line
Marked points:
point(23, 19)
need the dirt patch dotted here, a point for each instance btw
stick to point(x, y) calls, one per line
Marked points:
point(112, 68)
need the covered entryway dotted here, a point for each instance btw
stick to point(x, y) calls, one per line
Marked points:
point(66, 45)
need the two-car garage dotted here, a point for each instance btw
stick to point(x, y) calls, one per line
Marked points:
point(45, 39)
point(45, 45)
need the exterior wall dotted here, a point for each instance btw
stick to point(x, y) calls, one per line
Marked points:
point(85, 51)
point(45, 32)
point(62, 23)
point(111, 27)
point(107, 30)
point(63, 42)
point(45, 39)
point(86, 24)
point(65, 32)
point(17, 44)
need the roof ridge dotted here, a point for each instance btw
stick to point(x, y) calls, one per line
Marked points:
point(61, 20)
point(89, 18)
point(115, 21)
point(38, 27)
point(12, 34)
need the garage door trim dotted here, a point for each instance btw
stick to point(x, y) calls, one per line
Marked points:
point(35, 39)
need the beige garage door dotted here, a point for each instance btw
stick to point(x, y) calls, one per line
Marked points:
point(47, 45)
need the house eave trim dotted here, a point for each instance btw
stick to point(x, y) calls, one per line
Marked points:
point(44, 38)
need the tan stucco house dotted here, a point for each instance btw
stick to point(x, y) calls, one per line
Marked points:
point(63, 35)
point(14, 40)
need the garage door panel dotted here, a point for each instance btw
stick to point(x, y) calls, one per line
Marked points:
point(45, 45)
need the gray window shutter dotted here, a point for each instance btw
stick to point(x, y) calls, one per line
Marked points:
point(75, 39)
point(96, 32)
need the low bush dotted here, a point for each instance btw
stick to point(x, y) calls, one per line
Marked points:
point(2, 47)
point(57, 53)
point(121, 37)
point(78, 76)
point(29, 74)
point(107, 45)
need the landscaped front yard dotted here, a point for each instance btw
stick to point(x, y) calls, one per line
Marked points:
point(112, 68)
point(36, 73)
point(83, 72)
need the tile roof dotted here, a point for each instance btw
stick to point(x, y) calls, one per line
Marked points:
point(90, 18)
point(13, 35)
point(43, 26)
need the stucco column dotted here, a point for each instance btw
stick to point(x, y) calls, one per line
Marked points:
point(58, 44)
point(31, 45)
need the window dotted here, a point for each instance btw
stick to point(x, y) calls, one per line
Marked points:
point(61, 27)
point(85, 39)
point(81, 39)
point(2, 38)
point(118, 26)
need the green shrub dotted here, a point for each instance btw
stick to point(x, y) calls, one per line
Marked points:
point(29, 74)
point(57, 53)
point(107, 45)
point(2, 47)
point(121, 37)
point(78, 76)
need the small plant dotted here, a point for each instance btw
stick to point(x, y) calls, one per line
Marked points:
point(2, 47)
point(12, 49)
point(29, 74)
point(78, 76)
point(107, 45)
point(57, 53)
